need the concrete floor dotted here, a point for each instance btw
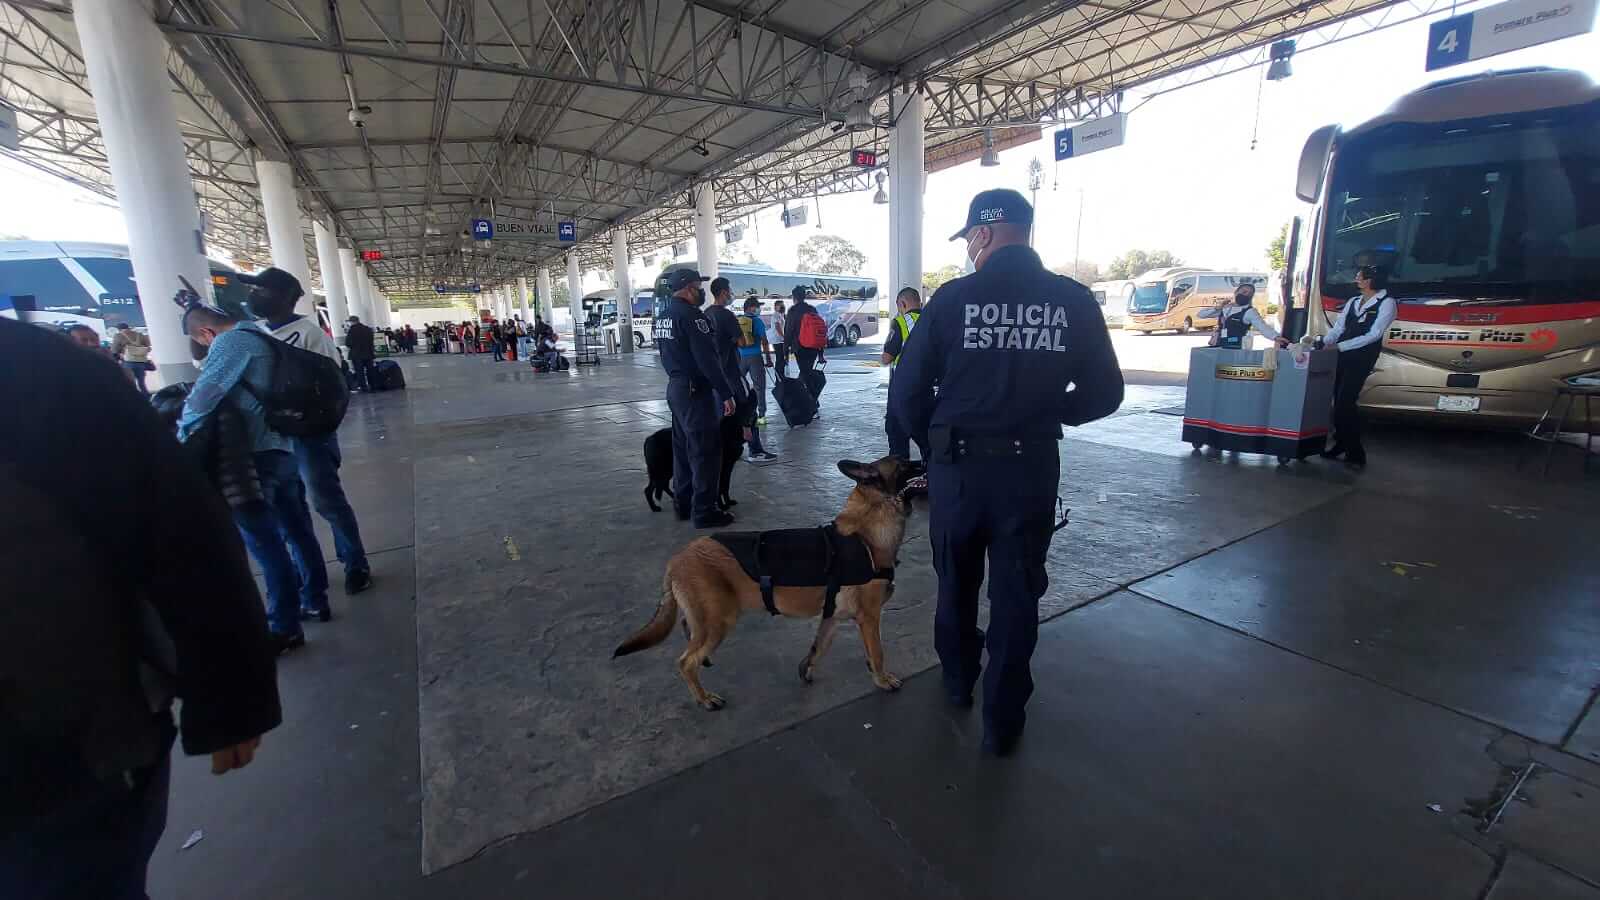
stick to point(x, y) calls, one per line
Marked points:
point(1255, 681)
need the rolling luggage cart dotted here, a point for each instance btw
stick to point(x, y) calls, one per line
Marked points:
point(1237, 401)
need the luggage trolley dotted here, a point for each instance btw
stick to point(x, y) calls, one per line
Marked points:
point(1239, 401)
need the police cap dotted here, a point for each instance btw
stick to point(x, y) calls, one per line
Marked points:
point(682, 278)
point(994, 207)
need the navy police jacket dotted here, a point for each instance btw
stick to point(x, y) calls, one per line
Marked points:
point(1015, 351)
point(688, 349)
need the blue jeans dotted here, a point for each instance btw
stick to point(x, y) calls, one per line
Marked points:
point(97, 843)
point(278, 534)
point(319, 460)
point(498, 349)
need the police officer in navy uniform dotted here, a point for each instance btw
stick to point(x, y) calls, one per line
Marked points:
point(1016, 352)
point(684, 337)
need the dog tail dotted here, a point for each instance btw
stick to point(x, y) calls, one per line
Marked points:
point(659, 626)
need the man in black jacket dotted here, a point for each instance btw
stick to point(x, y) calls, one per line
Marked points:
point(123, 591)
point(358, 344)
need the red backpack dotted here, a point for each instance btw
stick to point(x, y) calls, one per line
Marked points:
point(813, 332)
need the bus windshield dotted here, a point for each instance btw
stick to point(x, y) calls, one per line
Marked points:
point(1488, 211)
point(1149, 298)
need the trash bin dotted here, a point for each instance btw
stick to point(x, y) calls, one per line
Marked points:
point(611, 342)
point(1239, 401)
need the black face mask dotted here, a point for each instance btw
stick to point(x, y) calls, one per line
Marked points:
point(701, 293)
point(1244, 299)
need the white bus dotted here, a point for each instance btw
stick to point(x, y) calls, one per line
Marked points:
point(1113, 297)
point(600, 308)
point(847, 303)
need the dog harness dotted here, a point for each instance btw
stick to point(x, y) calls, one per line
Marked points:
point(803, 557)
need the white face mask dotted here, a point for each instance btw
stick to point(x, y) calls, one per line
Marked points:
point(968, 264)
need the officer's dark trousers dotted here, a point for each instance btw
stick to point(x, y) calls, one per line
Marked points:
point(696, 449)
point(1351, 376)
point(1004, 509)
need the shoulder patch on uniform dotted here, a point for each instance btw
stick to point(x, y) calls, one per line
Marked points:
point(703, 325)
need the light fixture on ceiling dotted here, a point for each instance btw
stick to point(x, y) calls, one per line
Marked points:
point(1279, 68)
point(700, 149)
point(881, 197)
point(857, 117)
point(990, 156)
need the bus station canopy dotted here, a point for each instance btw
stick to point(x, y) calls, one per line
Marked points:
point(608, 112)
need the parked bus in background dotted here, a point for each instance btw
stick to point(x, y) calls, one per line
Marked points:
point(600, 308)
point(1184, 298)
point(847, 303)
point(1114, 298)
point(1480, 199)
point(64, 283)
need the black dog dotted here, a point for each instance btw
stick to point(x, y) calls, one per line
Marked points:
point(658, 463)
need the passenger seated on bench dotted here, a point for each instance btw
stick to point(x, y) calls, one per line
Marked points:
point(549, 354)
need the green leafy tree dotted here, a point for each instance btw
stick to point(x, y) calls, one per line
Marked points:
point(932, 280)
point(1275, 250)
point(830, 255)
point(1137, 262)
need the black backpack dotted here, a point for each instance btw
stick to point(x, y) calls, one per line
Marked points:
point(309, 394)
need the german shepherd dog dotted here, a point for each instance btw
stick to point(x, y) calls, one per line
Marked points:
point(658, 463)
point(706, 584)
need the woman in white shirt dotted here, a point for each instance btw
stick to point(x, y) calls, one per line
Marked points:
point(1358, 333)
point(1233, 329)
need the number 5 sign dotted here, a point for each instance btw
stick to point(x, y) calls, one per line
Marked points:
point(1505, 27)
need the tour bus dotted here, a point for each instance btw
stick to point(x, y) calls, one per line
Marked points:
point(847, 303)
point(600, 308)
point(1184, 298)
point(1480, 198)
point(1114, 298)
point(59, 284)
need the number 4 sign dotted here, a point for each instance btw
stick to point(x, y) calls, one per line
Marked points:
point(1505, 27)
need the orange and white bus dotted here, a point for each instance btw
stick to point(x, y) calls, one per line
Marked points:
point(1480, 196)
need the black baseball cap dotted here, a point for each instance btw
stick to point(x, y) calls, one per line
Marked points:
point(276, 280)
point(996, 206)
point(682, 278)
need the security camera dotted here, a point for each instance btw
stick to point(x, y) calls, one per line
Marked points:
point(358, 115)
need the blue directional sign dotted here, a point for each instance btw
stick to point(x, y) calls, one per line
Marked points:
point(567, 231)
point(482, 230)
point(1503, 27)
point(440, 287)
point(1097, 134)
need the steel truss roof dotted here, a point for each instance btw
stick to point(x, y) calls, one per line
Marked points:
point(607, 112)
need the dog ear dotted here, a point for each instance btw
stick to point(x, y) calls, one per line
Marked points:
point(860, 473)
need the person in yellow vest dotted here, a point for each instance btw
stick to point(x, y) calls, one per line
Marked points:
point(909, 306)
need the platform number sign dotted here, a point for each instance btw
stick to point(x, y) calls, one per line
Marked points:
point(1504, 27)
point(864, 159)
point(1449, 42)
point(567, 231)
point(482, 230)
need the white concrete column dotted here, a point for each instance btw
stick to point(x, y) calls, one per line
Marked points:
point(574, 291)
point(384, 314)
point(332, 275)
point(126, 58)
point(619, 262)
point(352, 284)
point(285, 229)
point(522, 298)
point(508, 293)
point(369, 304)
point(905, 196)
point(705, 230)
point(544, 301)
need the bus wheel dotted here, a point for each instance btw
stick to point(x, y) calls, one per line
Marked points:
point(638, 340)
point(854, 336)
point(1188, 325)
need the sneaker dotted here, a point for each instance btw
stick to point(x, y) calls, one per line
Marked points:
point(762, 457)
point(285, 643)
point(316, 615)
point(356, 581)
point(715, 520)
point(761, 421)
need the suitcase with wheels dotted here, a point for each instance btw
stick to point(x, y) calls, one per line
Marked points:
point(389, 375)
point(798, 404)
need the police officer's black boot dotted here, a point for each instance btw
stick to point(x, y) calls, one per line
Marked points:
point(1001, 745)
